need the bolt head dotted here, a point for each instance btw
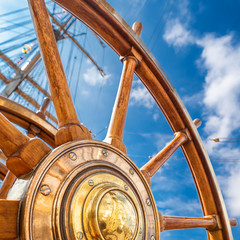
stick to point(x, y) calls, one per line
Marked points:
point(72, 156)
point(80, 235)
point(148, 202)
point(126, 187)
point(45, 190)
point(131, 171)
point(91, 183)
point(104, 152)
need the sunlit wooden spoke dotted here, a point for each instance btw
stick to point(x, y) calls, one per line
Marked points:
point(117, 122)
point(174, 223)
point(68, 123)
point(33, 102)
point(152, 166)
point(3, 171)
point(9, 179)
point(33, 130)
point(9, 211)
point(43, 108)
point(2, 155)
point(22, 152)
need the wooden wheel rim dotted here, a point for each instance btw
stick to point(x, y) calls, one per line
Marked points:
point(103, 20)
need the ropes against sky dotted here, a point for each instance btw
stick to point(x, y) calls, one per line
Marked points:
point(19, 44)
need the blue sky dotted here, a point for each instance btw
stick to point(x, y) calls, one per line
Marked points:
point(198, 45)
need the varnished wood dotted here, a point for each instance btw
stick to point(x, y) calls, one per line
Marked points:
point(3, 170)
point(9, 179)
point(113, 30)
point(175, 223)
point(43, 108)
point(9, 211)
point(33, 130)
point(34, 103)
point(197, 122)
point(23, 153)
point(68, 123)
point(104, 21)
point(233, 222)
point(153, 165)
point(2, 155)
point(24, 117)
point(11, 138)
point(137, 28)
point(116, 127)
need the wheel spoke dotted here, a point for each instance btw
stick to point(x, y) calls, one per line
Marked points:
point(175, 223)
point(117, 122)
point(3, 171)
point(9, 179)
point(152, 166)
point(9, 210)
point(34, 130)
point(22, 152)
point(68, 123)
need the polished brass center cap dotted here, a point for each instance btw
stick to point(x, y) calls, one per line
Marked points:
point(109, 213)
point(117, 218)
point(105, 208)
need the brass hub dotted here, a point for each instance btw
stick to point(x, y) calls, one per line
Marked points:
point(95, 192)
point(104, 207)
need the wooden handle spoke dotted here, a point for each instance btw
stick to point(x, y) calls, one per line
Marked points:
point(119, 113)
point(42, 111)
point(33, 130)
point(3, 171)
point(22, 152)
point(68, 123)
point(9, 179)
point(9, 210)
point(175, 223)
point(233, 222)
point(152, 166)
point(197, 122)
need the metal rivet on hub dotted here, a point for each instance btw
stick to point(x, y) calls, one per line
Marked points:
point(152, 238)
point(80, 235)
point(126, 187)
point(45, 190)
point(72, 156)
point(149, 203)
point(90, 182)
point(104, 152)
point(131, 171)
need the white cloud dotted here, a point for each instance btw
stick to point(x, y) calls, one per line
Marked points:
point(156, 116)
point(232, 191)
point(177, 206)
point(220, 58)
point(93, 77)
point(138, 3)
point(220, 62)
point(141, 97)
point(176, 29)
point(177, 35)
